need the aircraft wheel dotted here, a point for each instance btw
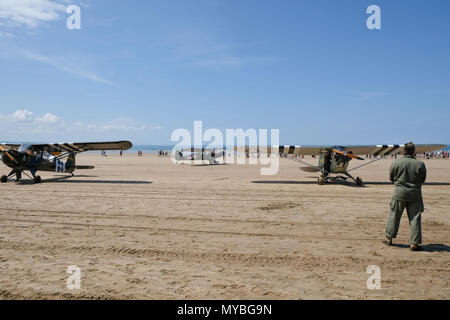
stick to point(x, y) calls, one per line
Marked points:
point(358, 181)
point(37, 179)
point(320, 180)
point(4, 179)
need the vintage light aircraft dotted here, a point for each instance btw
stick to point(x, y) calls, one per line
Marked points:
point(334, 160)
point(49, 157)
point(211, 155)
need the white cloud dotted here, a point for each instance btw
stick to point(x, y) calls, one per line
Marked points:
point(6, 35)
point(48, 118)
point(65, 66)
point(237, 61)
point(24, 125)
point(119, 125)
point(31, 12)
point(233, 61)
point(26, 117)
point(202, 47)
point(22, 115)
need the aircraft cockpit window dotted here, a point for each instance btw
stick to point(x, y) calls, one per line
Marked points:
point(46, 155)
point(24, 147)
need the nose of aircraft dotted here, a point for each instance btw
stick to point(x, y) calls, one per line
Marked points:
point(7, 157)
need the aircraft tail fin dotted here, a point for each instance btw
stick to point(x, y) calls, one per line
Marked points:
point(178, 155)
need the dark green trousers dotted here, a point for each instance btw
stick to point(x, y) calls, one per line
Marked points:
point(414, 210)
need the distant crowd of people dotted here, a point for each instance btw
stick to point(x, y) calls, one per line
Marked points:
point(427, 155)
point(163, 153)
point(434, 155)
point(442, 154)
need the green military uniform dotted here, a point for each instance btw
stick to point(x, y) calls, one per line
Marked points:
point(408, 174)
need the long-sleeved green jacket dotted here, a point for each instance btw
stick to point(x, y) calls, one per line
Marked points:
point(408, 174)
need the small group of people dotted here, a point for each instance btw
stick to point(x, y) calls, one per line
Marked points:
point(443, 154)
point(163, 153)
point(104, 154)
point(370, 156)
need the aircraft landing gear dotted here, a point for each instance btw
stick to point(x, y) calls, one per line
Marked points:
point(18, 176)
point(4, 179)
point(320, 180)
point(358, 181)
point(37, 179)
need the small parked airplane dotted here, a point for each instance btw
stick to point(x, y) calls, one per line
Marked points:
point(192, 154)
point(334, 160)
point(48, 157)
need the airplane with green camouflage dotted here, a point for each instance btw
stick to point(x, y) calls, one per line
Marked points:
point(334, 160)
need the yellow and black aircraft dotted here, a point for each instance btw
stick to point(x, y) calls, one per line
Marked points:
point(334, 160)
point(49, 157)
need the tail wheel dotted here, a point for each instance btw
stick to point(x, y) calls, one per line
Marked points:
point(4, 179)
point(37, 179)
point(358, 181)
point(320, 180)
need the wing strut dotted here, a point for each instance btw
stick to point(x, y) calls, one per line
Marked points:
point(306, 163)
point(365, 164)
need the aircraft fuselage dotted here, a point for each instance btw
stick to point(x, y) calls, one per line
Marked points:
point(37, 162)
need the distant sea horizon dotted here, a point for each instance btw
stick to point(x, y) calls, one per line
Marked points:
point(150, 148)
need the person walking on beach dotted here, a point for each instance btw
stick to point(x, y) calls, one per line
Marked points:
point(408, 175)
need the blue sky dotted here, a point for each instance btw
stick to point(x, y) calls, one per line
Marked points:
point(140, 69)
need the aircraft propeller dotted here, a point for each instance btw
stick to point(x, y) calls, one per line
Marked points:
point(347, 154)
point(5, 151)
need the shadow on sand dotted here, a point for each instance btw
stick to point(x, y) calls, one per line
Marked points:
point(70, 179)
point(344, 183)
point(426, 183)
point(432, 247)
point(209, 165)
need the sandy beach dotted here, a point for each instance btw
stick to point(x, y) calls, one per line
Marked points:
point(144, 228)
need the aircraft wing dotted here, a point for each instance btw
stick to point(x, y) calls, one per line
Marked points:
point(77, 147)
point(10, 146)
point(378, 150)
point(282, 149)
point(202, 149)
point(384, 150)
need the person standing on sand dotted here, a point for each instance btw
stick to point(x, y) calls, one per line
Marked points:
point(408, 174)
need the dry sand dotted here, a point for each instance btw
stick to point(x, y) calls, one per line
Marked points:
point(144, 228)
